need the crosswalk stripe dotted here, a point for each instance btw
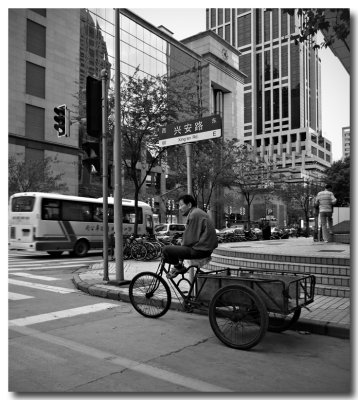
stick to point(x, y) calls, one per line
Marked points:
point(72, 312)
point(33, 285)
point(18, 268)
point(31, 276)
point(18, 296)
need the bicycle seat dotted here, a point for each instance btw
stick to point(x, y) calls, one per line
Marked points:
point(199, 262)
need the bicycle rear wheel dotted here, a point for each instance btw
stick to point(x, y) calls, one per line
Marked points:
point(238, 316)
point(138, 251)
point(150, 294)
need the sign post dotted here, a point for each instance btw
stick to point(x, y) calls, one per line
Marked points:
point(187, 132)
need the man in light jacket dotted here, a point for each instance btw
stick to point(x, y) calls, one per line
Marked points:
point(325, 200)
point(199, 238)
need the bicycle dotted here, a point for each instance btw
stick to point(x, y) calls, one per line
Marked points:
point(242, 303)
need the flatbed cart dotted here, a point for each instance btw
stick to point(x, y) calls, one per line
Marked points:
point(242, 303)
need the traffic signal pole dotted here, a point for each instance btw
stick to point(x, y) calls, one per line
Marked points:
point(104, 76)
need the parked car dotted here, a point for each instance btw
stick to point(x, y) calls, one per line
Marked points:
point(169, 229)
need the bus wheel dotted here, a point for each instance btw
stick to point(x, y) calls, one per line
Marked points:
point(55, 253)
point(81, 248)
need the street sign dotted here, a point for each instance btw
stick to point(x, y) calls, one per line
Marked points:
point(190, 131)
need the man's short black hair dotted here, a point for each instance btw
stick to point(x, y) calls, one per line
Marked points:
point(328, 186)
point(188, 198)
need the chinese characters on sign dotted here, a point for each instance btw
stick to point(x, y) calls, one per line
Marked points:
point(190, 131)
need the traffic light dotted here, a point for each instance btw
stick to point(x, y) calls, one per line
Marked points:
point(62, 119)
point(93, 160)
point(94, 106)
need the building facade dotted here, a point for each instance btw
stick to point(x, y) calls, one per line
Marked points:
point(282, 91)
point(346, 142)
point(43, 73)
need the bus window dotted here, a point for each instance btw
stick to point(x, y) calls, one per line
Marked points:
point(98, 214)
point(50, 209)
point(149, 224)
point(23, 204)
point(72, 211)
point(129, 215)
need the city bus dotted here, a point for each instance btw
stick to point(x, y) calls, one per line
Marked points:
point(56, 223)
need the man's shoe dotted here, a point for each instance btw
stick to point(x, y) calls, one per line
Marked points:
point(174, 272)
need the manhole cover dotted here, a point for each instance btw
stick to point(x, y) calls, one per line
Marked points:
point(331, 251)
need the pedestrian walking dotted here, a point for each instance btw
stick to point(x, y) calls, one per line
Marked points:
point(325, 200)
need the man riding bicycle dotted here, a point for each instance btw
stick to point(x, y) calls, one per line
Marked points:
point(199, 238)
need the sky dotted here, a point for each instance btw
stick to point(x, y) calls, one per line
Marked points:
point(335, 81)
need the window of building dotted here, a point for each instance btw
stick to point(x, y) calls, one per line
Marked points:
point(275, 23)
point(314, 150)
point(247, 108)
point(328, 147)
point(35, 80)
point(283, 23)
point(227, 33)
point(36, 38)
point(267, 25)
point(227, 14)
point(245, 66)
point(40, 11)
point(258, 26)
point(328, 158)
point(220, 16)
point(34, 122)
point(276, 103)
point(213, 17)
point(320, 154)
point(284, 61)
point(284, 102)
point(267, 105)
point(221, 32)
point(244, 30)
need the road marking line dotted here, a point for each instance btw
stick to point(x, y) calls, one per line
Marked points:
point(40, 286)
point(31, 276)
point(145, 369)
point(17, 268)
point(18, 296)
point(71, 312)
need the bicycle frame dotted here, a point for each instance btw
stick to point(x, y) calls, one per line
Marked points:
point(191, 298)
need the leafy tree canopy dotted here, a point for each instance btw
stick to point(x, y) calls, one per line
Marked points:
point(333, 22)
point(338, 175)
point(34, 176)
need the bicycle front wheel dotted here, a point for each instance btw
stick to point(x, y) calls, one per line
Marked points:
point(238, 316)
point(150, 294)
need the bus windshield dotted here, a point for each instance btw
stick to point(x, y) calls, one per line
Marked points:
point(23, 204)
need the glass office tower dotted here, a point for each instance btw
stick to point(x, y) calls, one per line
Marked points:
point(282, 92)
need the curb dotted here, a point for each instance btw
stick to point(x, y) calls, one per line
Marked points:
point(316, 327)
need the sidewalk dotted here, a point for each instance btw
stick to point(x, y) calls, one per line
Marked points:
point(326, 315)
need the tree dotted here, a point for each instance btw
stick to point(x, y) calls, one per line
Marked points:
point(212, 162)
point(338, 175)
point(147, 103)
point(253, 176)
point(34, 176)
point(299, 196)
point(334, 23)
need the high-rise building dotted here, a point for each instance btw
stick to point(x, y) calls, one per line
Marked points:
point(346, 141)
point(282, 91)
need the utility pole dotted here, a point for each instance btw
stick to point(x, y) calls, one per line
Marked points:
point(117, 160)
